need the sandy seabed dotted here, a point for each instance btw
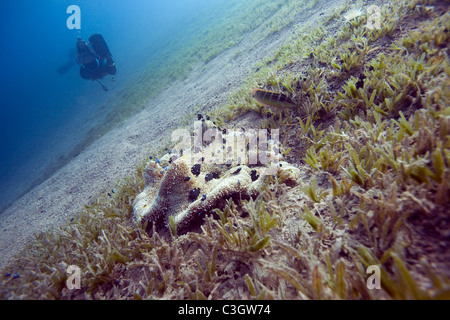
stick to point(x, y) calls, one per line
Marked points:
point(116, 155)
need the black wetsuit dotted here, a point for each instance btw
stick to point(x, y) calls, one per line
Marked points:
point(95, 58)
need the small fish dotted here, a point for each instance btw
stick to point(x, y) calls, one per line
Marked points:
point(272, 99)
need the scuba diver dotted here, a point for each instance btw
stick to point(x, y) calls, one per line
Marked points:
point(95, 59)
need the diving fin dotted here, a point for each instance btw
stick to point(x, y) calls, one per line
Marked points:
point(65, 68)
point(70, 62)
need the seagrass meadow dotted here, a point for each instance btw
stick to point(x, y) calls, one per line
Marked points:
point(370, 135)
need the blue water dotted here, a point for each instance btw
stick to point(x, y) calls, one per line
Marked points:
point(42, 113)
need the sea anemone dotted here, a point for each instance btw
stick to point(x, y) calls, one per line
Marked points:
point(352, 14)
